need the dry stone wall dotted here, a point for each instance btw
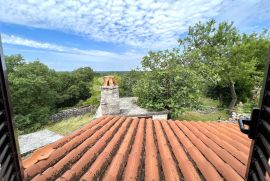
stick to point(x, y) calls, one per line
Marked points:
point(72, 112)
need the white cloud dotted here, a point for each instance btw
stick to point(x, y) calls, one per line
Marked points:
point(249, 16)
point(145, 23)
point(16, 40)
point(65, 61)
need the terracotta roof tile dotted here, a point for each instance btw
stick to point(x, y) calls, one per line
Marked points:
point(207, 170)
point(114, 148)
point(50, 172)
point(68, 175)
point(210, 150)
point(114, 171)
point(134, 158)
point(151, 158)
point(39, 177)
point(105, 157)
point(32, 171)
point(38, 155)
point(241, 156)
point(61, 179)
point(168, 164)
point(183, 162)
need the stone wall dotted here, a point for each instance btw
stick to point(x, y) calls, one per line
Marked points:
point(72, 112)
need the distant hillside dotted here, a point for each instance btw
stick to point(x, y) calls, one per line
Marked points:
point(103, 73)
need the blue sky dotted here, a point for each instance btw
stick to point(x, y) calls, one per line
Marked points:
point(112, 34)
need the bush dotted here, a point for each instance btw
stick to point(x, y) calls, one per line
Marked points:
point(171, 89)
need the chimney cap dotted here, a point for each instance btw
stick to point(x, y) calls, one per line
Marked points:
point(109, 80)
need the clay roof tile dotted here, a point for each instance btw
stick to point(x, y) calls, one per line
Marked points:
point(40, 154)
point(138, 149)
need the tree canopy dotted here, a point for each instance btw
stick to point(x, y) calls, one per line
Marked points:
point(37, 91)
point(226, 57)
point(167, 83)
point(214, 59)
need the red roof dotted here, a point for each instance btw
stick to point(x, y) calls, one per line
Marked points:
point(115, 148)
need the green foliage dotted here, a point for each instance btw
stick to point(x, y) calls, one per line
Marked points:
point(67, 126)
point(225, 57)
point(127, 82)
point(209, 110)
point(95, 91)
point(13, 61)
point(37, 91)
point(74, 86)
point(32, 94)
point(246, 107)
point(208, 102)
point(197, 116)
point(167, 83)
point(214, 58)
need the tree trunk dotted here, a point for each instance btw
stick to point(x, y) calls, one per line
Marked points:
point(220, 98)
point(234, 97)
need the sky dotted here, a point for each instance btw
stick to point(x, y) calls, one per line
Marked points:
point(113, 35)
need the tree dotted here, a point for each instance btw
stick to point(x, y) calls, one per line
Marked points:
point(167, 83)
point(223, 55)
point(128, 80)
point(33, 97)
point(38, 92)
point(13, 61)
point(74, 86)
point(83, 78)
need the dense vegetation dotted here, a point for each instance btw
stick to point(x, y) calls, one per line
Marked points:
point(212, 60)
point(37, 91)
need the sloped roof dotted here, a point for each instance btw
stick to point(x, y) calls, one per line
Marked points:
point(114, 148)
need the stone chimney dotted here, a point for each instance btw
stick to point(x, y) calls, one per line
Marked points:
point(109, 96)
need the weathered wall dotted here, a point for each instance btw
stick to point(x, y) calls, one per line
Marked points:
point(72, 112)
point(109, 100)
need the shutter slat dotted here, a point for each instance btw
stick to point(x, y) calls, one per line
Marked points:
point(3, 153)
point(12, 177)
point(5, 165)
point(263, 159)
point(1, 127)
point(254, 176)
point(8, 174)
point(265, 143)
point(259, 170)
point(2, 140)
point(266, 126)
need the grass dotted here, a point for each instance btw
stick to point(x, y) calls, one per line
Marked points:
point(69, 125)
point(212, 112)
point(197, 116)
point(208, 102)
